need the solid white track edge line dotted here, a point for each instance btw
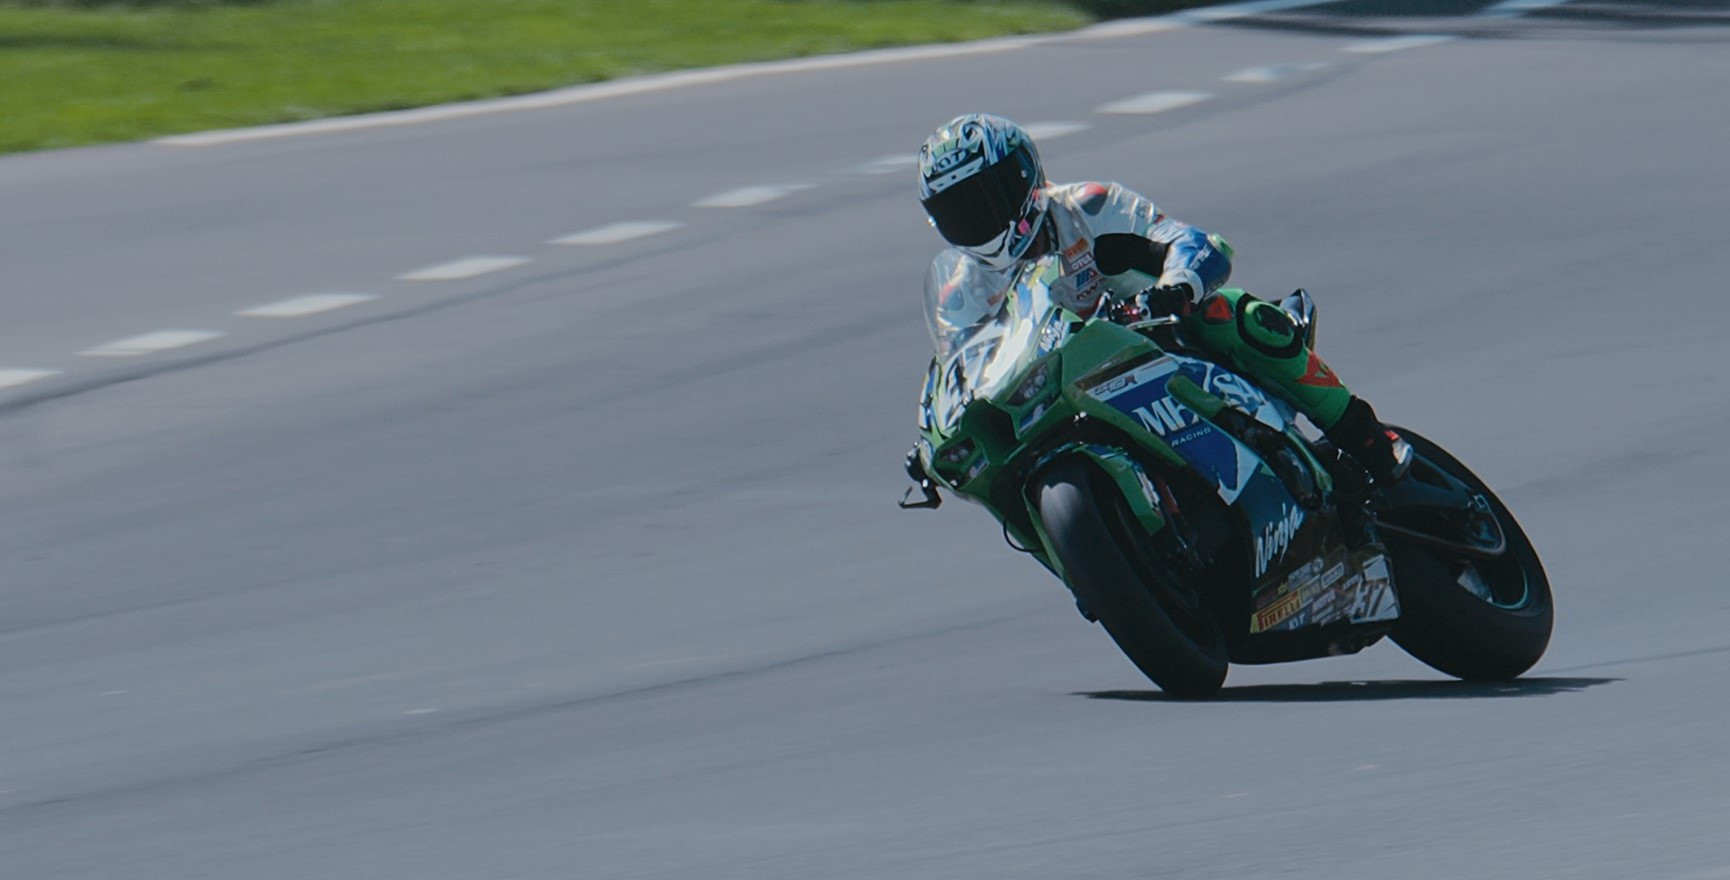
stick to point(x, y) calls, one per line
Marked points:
point(681, 79)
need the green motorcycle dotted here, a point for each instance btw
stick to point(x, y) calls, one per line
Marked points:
point(1192, 515)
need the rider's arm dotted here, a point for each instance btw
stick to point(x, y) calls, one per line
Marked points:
point(1131, 234)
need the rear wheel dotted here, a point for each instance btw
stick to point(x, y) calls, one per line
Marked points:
point(1473, 618)
point(1160, 622)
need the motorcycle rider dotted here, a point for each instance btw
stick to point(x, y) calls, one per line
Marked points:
point(985, 191)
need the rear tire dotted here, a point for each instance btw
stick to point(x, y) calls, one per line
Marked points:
point(1494, 634)
point(1161, 623)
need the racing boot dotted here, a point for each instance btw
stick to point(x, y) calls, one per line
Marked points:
point(1381, 451)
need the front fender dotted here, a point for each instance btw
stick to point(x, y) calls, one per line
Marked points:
point(1124, 471)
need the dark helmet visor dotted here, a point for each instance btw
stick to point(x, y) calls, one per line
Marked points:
point(977, 209)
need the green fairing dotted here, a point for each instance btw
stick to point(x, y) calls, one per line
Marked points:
point(971, 455)
point(1260, 339)
point(1094, 348)
point(1205, 405)
point(1208, 407)
point(1096, 344)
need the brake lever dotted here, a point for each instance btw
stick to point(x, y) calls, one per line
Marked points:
point(931, 501)
point(1161, 321)
point(1136, 314)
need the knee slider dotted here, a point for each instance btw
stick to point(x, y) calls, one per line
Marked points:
point(1268, 328)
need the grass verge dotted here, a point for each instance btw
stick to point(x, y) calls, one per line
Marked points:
point(78, 72)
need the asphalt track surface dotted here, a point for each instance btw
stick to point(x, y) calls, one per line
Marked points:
point(591, 567)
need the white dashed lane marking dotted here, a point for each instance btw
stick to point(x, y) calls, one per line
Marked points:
point(467, 267)
point(1272, 72)
point(750, 195)
point(1041, 131)
point(1512, 8)
point(1044, 131)
point(10, 378)
point(889, 164)
point(1395, 44)
point(310, 304)
point(1154, 102)
point(618, 232)
point(150, 343)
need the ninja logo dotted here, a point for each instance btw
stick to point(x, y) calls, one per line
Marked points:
point(1275, 538)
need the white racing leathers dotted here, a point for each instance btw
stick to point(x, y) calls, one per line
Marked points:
point(1113, 241)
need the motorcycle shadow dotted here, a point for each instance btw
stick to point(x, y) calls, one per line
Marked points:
point(1366, 691)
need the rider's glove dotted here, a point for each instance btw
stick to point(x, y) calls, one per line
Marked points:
point(1171, 299)
point(1130, 309)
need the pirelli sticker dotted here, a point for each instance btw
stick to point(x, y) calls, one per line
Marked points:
point(1277, 613)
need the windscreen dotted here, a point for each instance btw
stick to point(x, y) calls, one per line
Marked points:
point(962, 298)
point(986, 325)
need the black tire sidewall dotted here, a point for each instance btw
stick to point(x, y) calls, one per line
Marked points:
point(1449, 628)
point(1070, 496)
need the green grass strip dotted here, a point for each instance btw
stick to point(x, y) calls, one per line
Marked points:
point(75, 73)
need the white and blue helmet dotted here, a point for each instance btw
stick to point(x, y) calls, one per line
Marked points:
point(982, 185)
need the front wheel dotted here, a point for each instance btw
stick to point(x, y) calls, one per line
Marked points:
point(1159, 622)
point(1480, 619)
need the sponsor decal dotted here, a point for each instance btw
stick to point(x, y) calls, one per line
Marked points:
point(1275, 614)
point(1217, 311)
point(1139, 378)
point(1354, 587)
point(1086, 280)
point(1227, 464)
point(1304, 578)
point(1076, 286)
point(1077, 265)
point(948, 161)
point(1333, 575)
point(1075, 250)
point(1163, 416)
point(1374, 597)
point(1317, 374)
point(1236, 390)
point(1276, 538)
point(1188, 434)
point(1113, 386)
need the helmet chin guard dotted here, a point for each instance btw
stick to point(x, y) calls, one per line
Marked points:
point(1009, 246)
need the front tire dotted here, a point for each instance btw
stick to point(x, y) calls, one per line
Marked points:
point(1160, 623)
point(1479, 620)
